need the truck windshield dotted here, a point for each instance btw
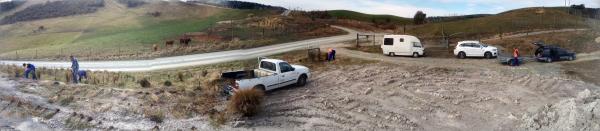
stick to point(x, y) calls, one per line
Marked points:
point(285, 67)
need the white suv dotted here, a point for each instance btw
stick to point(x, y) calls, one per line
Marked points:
point(474, 49)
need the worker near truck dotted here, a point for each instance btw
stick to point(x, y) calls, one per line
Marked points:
point(74, 69)
point(516, 55)
point(29, 69)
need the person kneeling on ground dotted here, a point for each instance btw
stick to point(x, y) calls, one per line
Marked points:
point(29, 69)
point(82, 75)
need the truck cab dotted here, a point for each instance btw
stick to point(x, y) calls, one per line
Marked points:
point(271, 74)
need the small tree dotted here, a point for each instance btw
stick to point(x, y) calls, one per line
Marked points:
point(419, 18)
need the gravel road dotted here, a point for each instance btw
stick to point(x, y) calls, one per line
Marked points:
point(193, 60)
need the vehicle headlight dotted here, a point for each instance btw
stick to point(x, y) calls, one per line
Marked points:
point(495, 50)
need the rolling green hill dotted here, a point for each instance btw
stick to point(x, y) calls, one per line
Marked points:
point(352, 15)
point(111, 29)
point(520, 20)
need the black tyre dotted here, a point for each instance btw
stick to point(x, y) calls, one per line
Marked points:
point(260, 88)
point(301, 80)
point(571, 58)
point(462, 55)
point(488, 55)
point(415, 55)
point(549, 60)
point(392, 54)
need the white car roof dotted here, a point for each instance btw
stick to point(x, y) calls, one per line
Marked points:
point(273, 60)
point(468, 41)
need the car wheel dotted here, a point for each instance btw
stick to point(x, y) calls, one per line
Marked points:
point(549, 60)
point(571, 58)
point(488, 55)
point(462, 55)
point(301, 81)
point(415, 55)
point(260, 88)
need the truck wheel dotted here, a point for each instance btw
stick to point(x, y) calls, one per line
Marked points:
point(488, 55)
point(415, 55)
point(301, 80)
point(549, 60)
point(462, 55)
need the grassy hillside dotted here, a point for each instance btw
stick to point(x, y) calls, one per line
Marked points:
point(520, 20)
point(120, 31)
point(110, 29)
point(352, 15)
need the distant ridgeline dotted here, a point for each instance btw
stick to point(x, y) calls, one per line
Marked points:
point(54, 9)
point(455, 18)
point(237, 4)
point(9, 5)
point(132, 3)
point(580, 10)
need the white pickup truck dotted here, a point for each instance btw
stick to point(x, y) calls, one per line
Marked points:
point(271, 74)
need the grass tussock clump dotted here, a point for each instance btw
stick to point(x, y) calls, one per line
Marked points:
point(247, 102)
point(144, 83)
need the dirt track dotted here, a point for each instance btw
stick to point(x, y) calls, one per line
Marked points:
point(434, 94)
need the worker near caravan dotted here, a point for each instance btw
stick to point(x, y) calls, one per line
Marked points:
point(74, 69)
point(516, 55)
point(29, 69)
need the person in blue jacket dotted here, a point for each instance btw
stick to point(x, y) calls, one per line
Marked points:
point(74, 69)
point(29, 69)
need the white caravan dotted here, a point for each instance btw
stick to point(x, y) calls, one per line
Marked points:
point(403, 45)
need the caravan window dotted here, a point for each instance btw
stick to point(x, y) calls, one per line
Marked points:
point(388, 41)
point(401, 39)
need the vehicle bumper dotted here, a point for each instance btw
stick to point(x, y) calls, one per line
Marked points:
point(228, 90)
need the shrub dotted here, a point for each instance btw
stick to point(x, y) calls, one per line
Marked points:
point(144, 83)
point(154, 115)
point(246, 101)
point(168, 83)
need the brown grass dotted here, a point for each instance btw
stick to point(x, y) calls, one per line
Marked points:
point(248, 102)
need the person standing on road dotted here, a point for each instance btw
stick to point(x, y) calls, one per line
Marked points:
point(74, 69)
point(516, 55)
point(29, 69)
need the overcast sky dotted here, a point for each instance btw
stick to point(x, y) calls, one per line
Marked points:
point(407, 8)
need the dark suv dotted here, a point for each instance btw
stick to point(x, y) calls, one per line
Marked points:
point(549, 53)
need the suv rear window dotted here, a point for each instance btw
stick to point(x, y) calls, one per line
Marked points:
point(268, 65)
point(388, 41)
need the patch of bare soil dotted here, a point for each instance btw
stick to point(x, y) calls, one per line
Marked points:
point(584, 70)
point(390, 97)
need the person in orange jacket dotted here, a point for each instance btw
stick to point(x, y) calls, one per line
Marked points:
point(516, 55)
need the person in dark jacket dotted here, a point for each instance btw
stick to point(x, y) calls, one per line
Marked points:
point(29, 69)
point(74, 69)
